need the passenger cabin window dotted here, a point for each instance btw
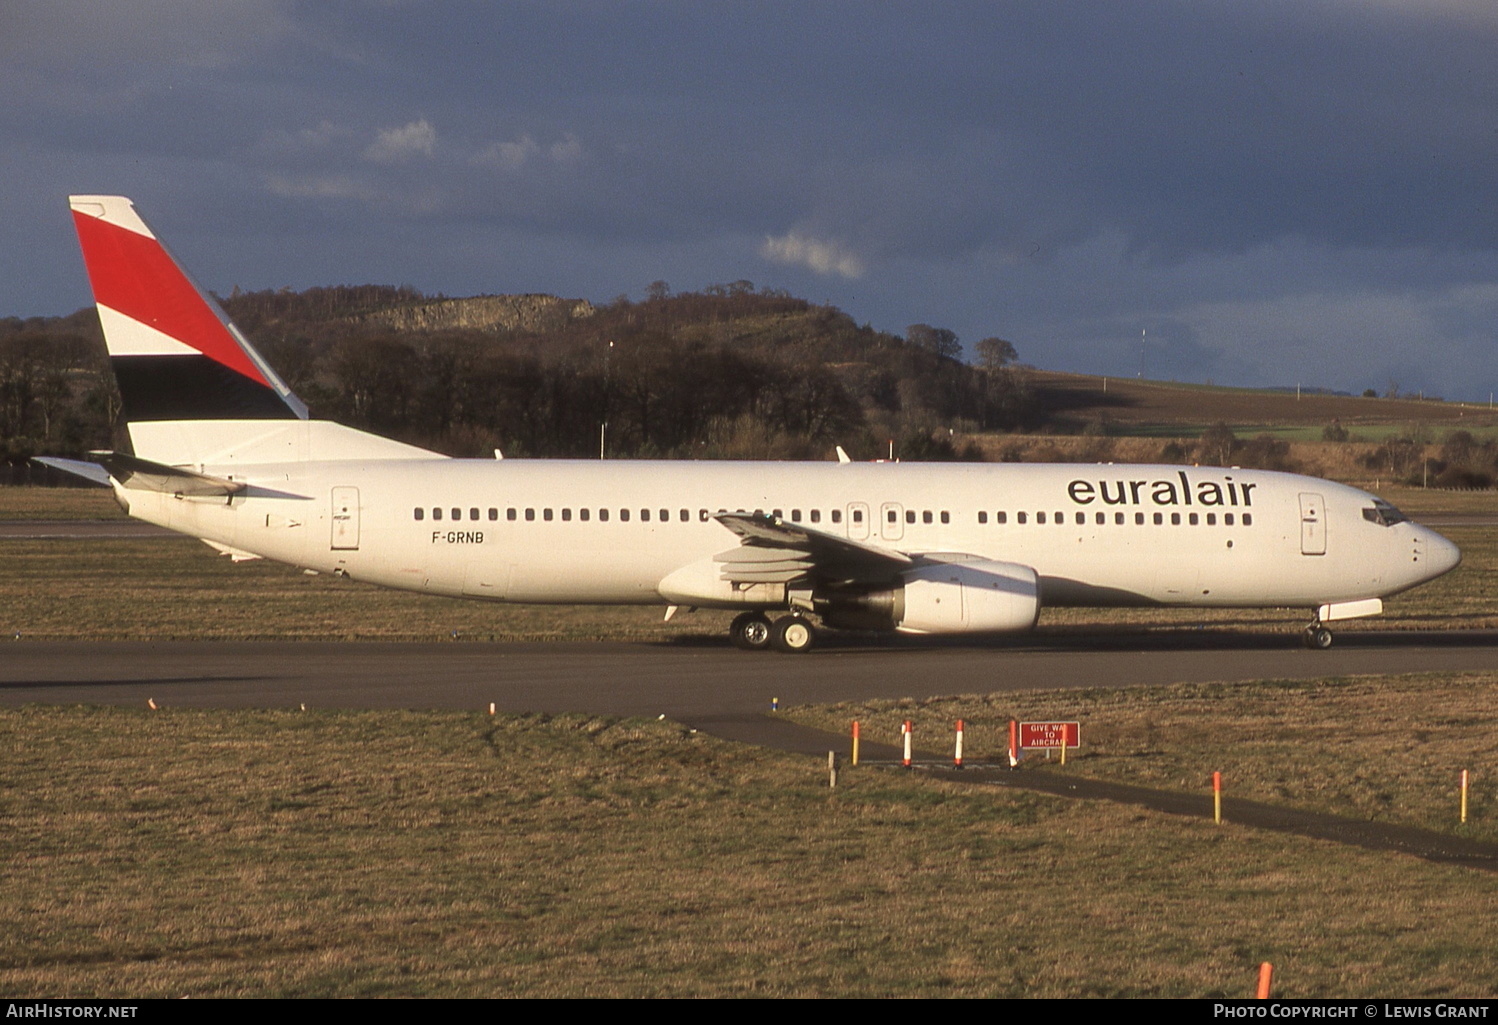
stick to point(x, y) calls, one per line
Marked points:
point(926, 516)
point(837, 516)
point(420, 513)
point(436, 514)
point(644, 515)
point(457, 514)
point(1081, 518)
point(982, 516)
point(857, 515)
point(946, 517)
point(583, 514)
point(473, 514)
point(511, 513)
point(493, 513)
point(816, 516)
point(1040, 517)
point(546, 515)
point(1002, 517)
point(665, 515)
point(566, 515)
point(1019, 517)
point(603, 516)
point(623, 515)
point(530, 514)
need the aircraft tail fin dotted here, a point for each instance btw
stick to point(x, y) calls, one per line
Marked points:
point(175, 354)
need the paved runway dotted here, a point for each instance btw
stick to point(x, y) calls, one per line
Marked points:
point(687, 682)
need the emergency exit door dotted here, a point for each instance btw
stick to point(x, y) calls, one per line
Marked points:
point(1312, 525)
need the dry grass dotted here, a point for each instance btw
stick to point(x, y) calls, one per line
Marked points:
point(1384, 749)
point(59, 504)
point(189, 853)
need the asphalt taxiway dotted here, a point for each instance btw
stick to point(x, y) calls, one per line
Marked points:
point(684, 681)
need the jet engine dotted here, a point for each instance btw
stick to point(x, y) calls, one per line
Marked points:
point(980, 596)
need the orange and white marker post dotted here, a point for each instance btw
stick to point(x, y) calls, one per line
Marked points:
point(1217, 798)
point(957, 755)
point(1464, 795)
point(906, 731)
point(1266, 978)
point(855, 741)
point(1013, 743)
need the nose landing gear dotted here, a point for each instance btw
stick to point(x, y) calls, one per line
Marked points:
point(1316, 637)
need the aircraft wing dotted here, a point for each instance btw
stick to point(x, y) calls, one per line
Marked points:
point(774, 551)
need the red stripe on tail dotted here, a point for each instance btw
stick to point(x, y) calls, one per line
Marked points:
point(135, 275)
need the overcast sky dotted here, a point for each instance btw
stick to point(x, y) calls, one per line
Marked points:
point(1273, 192)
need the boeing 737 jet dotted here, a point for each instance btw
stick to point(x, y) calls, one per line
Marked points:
point(224, 452)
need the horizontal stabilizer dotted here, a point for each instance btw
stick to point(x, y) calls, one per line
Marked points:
point(144, 475)
point(78, 468)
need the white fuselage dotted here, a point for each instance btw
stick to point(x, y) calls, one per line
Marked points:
point(610, 532)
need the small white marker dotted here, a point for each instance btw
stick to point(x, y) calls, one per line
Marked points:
point(152, 703)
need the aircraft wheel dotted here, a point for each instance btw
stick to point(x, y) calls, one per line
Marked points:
point(750, 631)
point(1318, 638)
point(792, 634)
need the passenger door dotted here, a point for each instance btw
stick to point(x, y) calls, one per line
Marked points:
point(1312, 525)
point(345, 519)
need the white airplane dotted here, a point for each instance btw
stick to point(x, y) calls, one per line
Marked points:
point(224, 452)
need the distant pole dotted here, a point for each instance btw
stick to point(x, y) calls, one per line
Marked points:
point(601, 429)
point(1266, 980)
point(1141, 353)
point(1464, 795)
point(1217, 797)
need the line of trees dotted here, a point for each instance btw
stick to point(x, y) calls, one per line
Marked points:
point(728, 372)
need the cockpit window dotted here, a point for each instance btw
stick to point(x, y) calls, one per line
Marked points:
point(1384, 514)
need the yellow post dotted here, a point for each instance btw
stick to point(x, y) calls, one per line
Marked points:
point(855, 741)
point(1063, 745)
point(1217, 798)
point(1464, 795)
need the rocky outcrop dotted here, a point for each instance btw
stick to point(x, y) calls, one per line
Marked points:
point(482, 313)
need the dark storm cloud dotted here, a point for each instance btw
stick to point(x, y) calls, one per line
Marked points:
point(1291, 189)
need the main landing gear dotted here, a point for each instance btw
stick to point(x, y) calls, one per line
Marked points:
point(753, 631)
point(1316, 637)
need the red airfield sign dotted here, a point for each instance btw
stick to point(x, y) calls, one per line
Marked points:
point(1050, 734)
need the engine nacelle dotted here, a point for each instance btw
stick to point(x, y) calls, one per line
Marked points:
point(945, 598)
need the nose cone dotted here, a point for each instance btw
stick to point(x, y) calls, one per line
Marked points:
point(1441, 556)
